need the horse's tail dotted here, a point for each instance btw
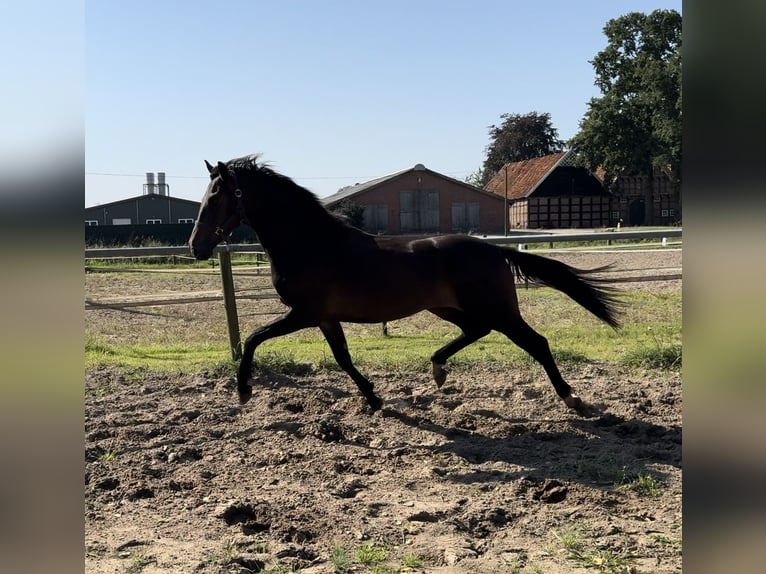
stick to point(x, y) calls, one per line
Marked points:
point(579, 284)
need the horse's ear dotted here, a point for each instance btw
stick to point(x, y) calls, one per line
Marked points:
point(210, 168)
point(222, 170)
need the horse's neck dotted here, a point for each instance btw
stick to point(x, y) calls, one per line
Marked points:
point(295, 241)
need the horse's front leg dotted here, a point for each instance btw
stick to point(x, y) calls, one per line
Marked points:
point(333, 332)
point(286, 324)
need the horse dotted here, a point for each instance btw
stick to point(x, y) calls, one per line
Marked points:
point(328, 272)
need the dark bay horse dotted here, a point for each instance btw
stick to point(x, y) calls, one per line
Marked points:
point(328, 272)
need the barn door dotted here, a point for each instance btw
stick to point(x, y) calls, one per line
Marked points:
point(473, 216)
point(636, 212)
point(419, 211)
point(430, 211)
point(407, 220)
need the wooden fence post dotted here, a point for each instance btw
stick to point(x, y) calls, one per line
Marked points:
point(230, 303)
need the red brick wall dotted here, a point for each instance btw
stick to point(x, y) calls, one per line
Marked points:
point(491, 220)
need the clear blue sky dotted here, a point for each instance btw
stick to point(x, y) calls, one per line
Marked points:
point(329, 92)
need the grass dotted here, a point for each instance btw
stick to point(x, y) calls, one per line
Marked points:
point(642, 484)
point(108, 455)
point(604, 560)
point(373, 557)
point(649, 338)
point(339, 558)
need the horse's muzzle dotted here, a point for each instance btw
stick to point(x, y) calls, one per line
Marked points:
point(200, 252)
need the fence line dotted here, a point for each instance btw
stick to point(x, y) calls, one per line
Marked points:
point(227, 282)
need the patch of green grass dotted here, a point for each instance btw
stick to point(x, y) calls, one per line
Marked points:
point(371, 554)
point(603, 560)
point(372, 557)
point(642, 484)
point(412, 560)
point(108, 455)
point(651, 330)
point(96, 347)
point(175, 357)
point(570, 537)
point(339, 558)
point(663, 540)
point(279, 567)
point(664, 357)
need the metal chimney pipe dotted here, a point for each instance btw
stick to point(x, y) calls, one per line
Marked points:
point(150, 182)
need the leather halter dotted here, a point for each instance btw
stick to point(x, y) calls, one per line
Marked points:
point(236, 219)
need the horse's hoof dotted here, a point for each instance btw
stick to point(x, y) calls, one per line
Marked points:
point(440, 375)
point(375, 403)
point(245, 393)
point(573, 402)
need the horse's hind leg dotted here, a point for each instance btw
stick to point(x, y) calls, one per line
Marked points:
point(333, 332)
point(518, 331)
point(472, 332)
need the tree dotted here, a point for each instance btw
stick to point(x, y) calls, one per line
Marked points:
point(635, 126)
point(352, 212)
point(477, 178)
point(519, 137)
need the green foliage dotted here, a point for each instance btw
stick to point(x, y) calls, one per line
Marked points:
point(339, 558)
point(656, 355)
point(478, 178)
point(371, 554)
point(519, 137)
point(412, 560)
point(642, 484)
point(635, 126)
point(607, 561)
point(352, 212)
point(651, 330)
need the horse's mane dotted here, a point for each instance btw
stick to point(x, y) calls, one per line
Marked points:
point(286, 196)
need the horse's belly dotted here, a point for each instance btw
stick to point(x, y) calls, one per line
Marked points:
point(387, 302)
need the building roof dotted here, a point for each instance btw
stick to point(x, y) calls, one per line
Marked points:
point(353, 190)
point(350, 190)
point(144, 196)
point(525, 176)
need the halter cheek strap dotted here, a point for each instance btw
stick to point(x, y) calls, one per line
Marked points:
point(236, 219)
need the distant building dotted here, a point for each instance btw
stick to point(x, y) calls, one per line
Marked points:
point(550, 192)
point(418, 200)
point(152, 216)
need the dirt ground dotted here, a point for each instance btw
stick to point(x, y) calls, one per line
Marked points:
point(492, 473)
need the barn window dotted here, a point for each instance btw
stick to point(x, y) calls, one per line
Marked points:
point(671, 212)
point(664, 213)
point(465, 216)
point(91, 222)
point(375, 218)
point(185, 220)
point(153, 221)
point(615, 215)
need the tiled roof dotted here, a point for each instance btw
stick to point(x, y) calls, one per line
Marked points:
point(524, 176)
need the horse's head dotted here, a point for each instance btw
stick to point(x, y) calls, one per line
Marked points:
point(219, 214)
